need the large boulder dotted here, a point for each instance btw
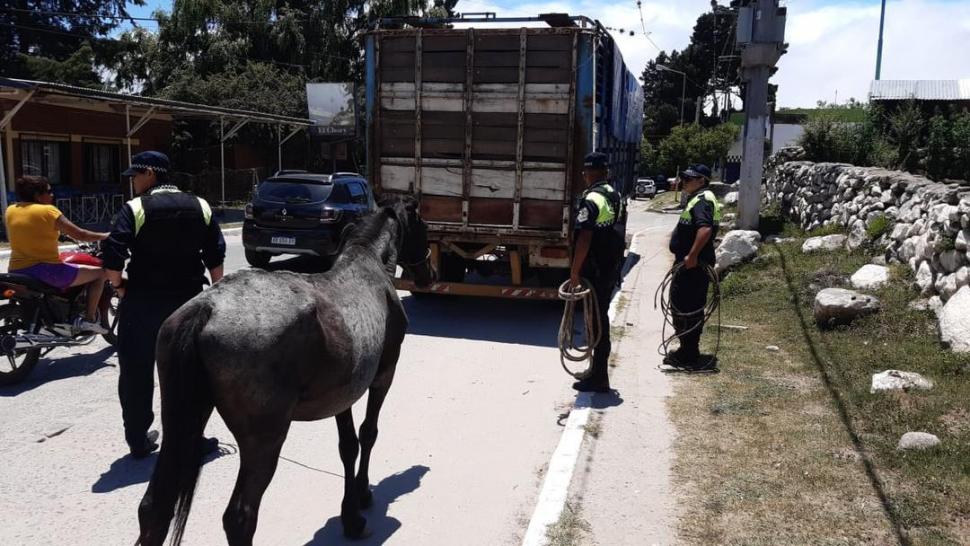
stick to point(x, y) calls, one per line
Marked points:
point(870, 277)
point(925, 278)
point(955, 321)
point(840, 306)
point(828, 242)
point(917, 440)
point(736, 247)
point(731, 198)
point(892, 380)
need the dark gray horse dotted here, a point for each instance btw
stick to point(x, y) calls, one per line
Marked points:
point(266, 349)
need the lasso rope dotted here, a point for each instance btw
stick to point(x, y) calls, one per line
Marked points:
point(712, 305)
point(568, 350)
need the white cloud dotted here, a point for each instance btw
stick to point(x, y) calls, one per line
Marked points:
point(832, 45)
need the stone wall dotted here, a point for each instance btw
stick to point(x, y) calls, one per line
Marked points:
point(929, 222)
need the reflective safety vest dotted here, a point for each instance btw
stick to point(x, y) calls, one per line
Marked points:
point(170, 233)
point(138, 206)
point(707, 195)
point(607, 201)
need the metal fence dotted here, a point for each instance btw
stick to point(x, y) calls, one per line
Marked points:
point(90, 208)
point(239, 184)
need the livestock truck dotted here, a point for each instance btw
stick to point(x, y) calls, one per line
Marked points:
point(487, 126)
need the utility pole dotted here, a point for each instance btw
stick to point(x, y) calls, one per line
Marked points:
point(882, 24)
point(761, 36)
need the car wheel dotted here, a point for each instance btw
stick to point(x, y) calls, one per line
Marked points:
point(258, 259)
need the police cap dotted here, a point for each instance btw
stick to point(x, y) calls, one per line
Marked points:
point(596, 160)
point(156, 161)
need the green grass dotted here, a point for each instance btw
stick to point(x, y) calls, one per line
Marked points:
point(791, 446)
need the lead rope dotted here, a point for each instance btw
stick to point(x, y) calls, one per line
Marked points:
point(568, 350)
point(712, 305)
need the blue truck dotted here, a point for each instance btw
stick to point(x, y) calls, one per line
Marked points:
point(487, 120)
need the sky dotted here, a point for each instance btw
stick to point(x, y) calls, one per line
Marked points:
point(832, 43)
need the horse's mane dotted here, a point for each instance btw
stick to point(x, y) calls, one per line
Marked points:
point(371, 226)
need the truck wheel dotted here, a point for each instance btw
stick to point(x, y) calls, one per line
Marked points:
point(14, 366)
point(258, 259)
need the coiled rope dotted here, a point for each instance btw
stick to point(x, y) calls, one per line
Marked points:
point(568, 350)
point(670, 313)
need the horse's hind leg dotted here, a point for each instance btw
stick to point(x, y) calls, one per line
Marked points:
point(258, 456)
point(368, 436)
point(350, 517)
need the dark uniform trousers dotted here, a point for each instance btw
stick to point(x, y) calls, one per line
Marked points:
point(603, 285)
point(688, 296)
point(141, 315)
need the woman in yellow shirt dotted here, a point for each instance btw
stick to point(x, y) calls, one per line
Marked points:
point(33, 228)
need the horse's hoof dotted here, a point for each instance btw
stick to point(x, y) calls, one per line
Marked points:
point(366, 499)
point(354, 527)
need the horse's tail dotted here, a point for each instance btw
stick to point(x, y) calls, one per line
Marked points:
point(186, 406)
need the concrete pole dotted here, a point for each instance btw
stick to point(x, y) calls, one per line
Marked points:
point(752, 167)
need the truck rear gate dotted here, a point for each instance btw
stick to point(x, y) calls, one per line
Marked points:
point(488, 127)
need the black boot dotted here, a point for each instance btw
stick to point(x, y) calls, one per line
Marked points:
point(592, 385)
point(146, 448)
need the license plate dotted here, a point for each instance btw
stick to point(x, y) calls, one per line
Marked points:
point(290, 241)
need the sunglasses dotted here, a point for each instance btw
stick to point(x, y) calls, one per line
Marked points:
point(45, 191)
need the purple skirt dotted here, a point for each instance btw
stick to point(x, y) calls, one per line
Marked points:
point(60, 276)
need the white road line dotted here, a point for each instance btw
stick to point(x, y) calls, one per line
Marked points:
point(555, 486)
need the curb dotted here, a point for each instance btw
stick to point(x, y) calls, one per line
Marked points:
point(4, 254)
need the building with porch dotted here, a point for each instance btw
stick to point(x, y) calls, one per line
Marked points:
point(82, 139)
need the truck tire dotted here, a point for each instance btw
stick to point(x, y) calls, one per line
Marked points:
point(452, 268)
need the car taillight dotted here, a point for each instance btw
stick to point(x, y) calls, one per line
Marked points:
point(249, 212)
point(328, 216)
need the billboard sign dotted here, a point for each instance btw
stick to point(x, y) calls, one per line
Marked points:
point(332, 109)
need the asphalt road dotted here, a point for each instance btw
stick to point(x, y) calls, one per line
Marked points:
point(468, 427)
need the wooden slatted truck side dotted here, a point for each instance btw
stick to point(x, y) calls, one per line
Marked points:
point(488, 127)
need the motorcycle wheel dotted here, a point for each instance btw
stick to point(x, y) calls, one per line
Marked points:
point(108, 308)
point(15, 367)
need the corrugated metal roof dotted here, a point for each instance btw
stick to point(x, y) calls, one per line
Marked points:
point(920, 90)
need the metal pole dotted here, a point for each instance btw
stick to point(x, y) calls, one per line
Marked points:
point(222, 157)
point(3, 184)
point(279, 149)
point(131, 184)
point(882, 23)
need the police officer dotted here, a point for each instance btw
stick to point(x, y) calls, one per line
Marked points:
point(171, 238)
point(597, 255)
point(692, 244)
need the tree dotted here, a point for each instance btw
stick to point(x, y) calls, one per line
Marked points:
point(44, 39)
point(254, 54)
point(693, 143)
point(706, 69)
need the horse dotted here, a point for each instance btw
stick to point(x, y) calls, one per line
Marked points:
point(265, 349)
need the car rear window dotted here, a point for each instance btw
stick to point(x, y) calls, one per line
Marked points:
point(294, 191)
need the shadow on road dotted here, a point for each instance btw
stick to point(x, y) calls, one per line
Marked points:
point(127, 470)
point(379, 526)
point(49, 370)
point(524, 322)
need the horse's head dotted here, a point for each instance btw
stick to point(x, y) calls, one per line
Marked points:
point(413, 253)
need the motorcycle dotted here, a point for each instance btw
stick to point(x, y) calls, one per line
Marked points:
point(37, 318)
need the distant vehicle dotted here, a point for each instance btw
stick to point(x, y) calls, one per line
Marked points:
point(303, 213)
point(645, 187)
